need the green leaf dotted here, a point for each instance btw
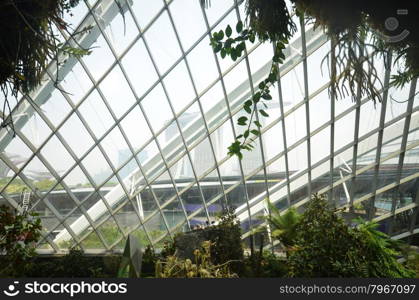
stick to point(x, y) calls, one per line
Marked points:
point(220, 35)
point(247, 109)
point(233, 54)
point(256, 97)
point(246, 134)
point(242, 119)
point(229, 31)
point(239, 26)
point(272, 77)
point(257, 123)
point(262, 85)
point(223, 53)
point(267, 96)
point(248, 103)
point(252, 38)
point(263, 113)
point(218, 47)
point(255, 132)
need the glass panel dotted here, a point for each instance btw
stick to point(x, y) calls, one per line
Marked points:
point(117, 92)
point(76, 83)
point(344, 131)
point(57, 155)
point(292, 85)
point(138, 59)
point(136, 128)
point(147, 202)
point(319, 110)
point(76, 179)
point(61, 201)
point(145, 11)
point(295, 125)
point(110, 231)
point(397, 102)
point(155, 227)
point(121, 31)
point(75, 134)
point(16, 151)
point(315, 78)
point(100, 59)
point(35, 129)
point(204, 71)
point(41, 178)
point(97, 166)
point(370, 117)
point(92, 242)
point(116, 148)
point(126, 217)
point(260, 57)
point(96, 114)
point(188, 20)
point(217, 10)
point(56, 107)
point(179, 87)
point(157, 117)
point(15, 187)
point(320, 145)
point(141, 235)
point(160, 36)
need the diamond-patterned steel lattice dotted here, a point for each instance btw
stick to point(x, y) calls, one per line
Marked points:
point(134, 138)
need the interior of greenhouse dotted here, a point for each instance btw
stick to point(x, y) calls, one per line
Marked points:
point(249, 138)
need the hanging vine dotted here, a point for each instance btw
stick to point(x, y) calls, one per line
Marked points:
point(28, 43)
point(361, 34)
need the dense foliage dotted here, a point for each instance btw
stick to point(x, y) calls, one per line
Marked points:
point(18, 236)
point(200, 267)
point(326, 246)
point(74, 264)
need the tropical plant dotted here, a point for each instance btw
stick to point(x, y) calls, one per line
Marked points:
point(29, 43)
point(225, 237)
point(148, 262)
point(413, 263)
point(327, 247)
point(200, 267)
point(381, 250)
point(360, 34)
point(283, 226)
point(18, 236)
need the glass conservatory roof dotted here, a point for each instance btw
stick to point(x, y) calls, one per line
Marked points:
point(133, 137)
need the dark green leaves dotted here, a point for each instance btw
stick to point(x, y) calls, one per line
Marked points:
point(218, 36)
point(239, 26)
point(242, 121)
point(228, 31)
point(263, 113)
point(267, 96)
point(235, 47)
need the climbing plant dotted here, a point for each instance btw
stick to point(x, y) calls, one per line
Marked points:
point(361, 33)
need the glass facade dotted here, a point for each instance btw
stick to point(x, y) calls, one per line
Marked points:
point(133, 137)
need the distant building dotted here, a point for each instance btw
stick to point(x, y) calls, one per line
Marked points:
point(201, 156)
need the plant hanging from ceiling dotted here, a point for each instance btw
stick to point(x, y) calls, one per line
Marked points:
point(361, 33)
point(28, 43)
